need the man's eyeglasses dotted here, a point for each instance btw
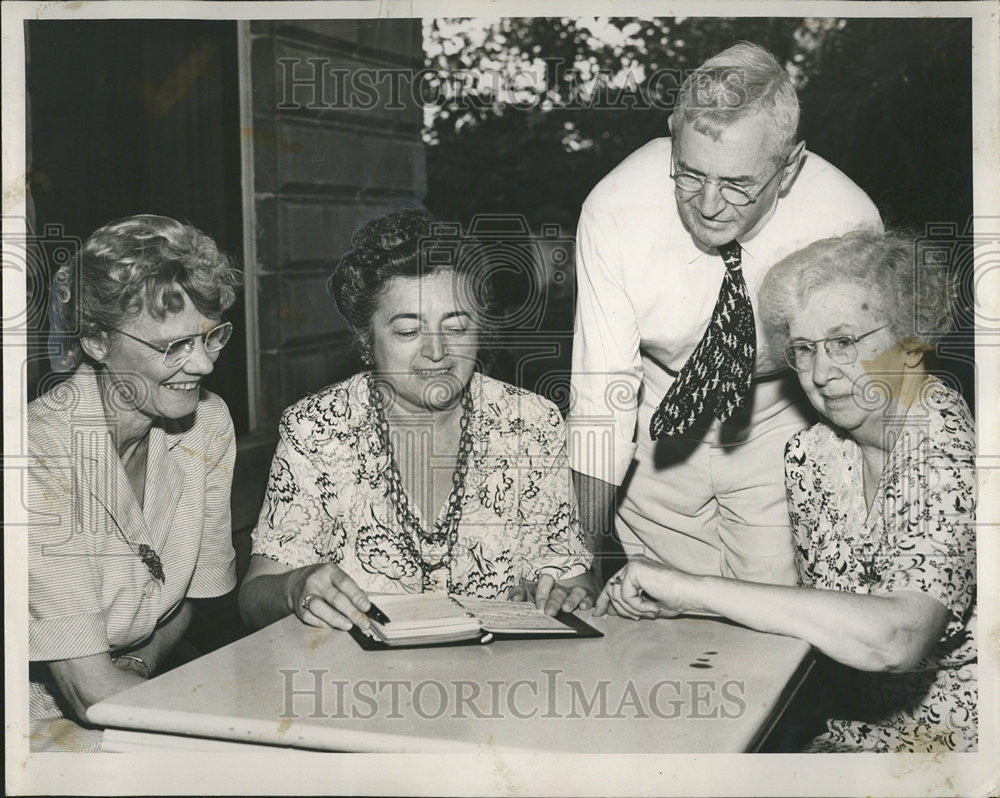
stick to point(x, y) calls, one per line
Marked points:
point(177, 352)
point(691, 183)
point(841, 349)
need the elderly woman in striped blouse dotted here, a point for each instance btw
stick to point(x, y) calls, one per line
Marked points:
point(130, 469)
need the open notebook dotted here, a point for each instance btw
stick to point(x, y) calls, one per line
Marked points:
point(440, 619)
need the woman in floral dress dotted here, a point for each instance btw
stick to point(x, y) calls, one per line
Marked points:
point(419, 474)
point(881, 496)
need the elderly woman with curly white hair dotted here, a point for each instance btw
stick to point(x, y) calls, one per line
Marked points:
point(881, 496)
point(130, 470)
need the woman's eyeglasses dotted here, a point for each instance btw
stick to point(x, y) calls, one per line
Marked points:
point(177, 352)
point(841, 349)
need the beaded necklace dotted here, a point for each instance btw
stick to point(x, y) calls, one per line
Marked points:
point(147, 554)
point(413, 532)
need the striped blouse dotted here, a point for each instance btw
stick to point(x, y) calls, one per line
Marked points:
point(88, 591)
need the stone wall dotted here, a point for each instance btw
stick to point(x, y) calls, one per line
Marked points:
point(331, 138)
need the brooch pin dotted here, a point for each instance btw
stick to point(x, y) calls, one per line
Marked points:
point(152, 562)
point(869, 573)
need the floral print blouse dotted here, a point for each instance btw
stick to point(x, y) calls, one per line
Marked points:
point(918, 536)
point(327, 496)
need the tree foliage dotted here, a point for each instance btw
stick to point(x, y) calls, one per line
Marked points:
point(535, 111)
point(530, 114)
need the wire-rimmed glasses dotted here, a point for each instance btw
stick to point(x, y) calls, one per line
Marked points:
point(841, 349)
point(691, 183)
point(177, 352)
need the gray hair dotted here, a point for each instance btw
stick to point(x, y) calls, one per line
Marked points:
point(740, 81)
point(138, 263)
point(914, 295)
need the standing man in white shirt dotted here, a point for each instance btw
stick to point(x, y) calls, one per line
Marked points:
point(679, 412)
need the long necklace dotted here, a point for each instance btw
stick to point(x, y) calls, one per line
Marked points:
point(146, 553)
point(413, 532)
point(148, 556)
point(871, 546)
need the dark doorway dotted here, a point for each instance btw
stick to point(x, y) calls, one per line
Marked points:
point(136, 116)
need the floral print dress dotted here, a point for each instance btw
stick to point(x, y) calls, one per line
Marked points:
point(328, 497)
point(918, 536)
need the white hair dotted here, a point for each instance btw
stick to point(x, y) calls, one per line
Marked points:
point(742, 80)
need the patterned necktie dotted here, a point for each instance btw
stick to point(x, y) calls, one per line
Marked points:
point(717, 376)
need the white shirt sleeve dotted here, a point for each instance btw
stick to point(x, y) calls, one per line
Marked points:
point(607, 370)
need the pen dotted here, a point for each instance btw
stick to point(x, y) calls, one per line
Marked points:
point(377, 615)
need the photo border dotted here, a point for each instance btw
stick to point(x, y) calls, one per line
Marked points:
point(589, 773)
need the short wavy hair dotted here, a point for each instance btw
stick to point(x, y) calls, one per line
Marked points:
point(138, 263)
point(915, 295)
point(410, 243)
point(742, 80)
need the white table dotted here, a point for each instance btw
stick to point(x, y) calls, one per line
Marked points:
point(642, 688)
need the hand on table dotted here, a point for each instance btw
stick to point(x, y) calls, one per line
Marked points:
point(323, 595)
point(643, 589)
point(576, 593)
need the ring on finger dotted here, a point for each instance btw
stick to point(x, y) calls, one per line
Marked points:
point(304, 601)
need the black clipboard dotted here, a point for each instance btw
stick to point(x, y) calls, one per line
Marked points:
point(581, 629)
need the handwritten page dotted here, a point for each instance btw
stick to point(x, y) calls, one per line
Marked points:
point(511, 616)
point(422, 609)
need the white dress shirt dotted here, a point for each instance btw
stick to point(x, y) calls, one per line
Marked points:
point(645, 294)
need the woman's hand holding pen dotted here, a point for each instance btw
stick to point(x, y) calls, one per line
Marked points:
point(323, 595)
point(644, 589)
